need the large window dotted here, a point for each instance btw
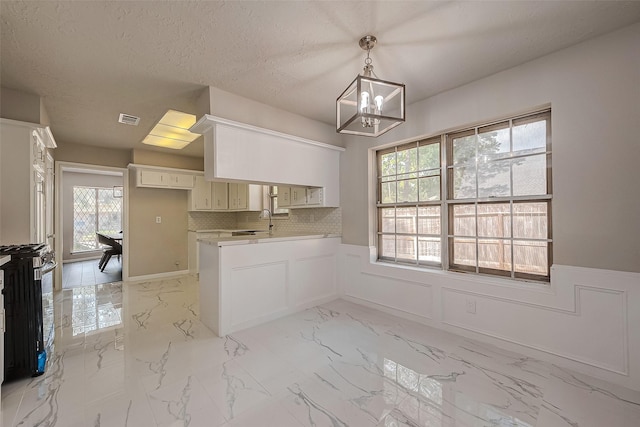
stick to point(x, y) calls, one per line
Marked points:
point(409, 207)
point(495, 215)
point(94, 210)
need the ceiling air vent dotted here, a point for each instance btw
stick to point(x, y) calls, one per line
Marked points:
point(128, 119)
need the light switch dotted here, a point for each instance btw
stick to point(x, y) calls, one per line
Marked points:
point(158, 219)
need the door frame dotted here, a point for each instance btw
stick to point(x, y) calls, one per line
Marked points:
point(60, 168)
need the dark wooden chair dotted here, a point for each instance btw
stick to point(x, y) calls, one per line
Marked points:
point(111, 248)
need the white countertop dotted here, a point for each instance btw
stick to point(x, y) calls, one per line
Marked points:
point(262, 238)
point(5, 259)
point(223, 230)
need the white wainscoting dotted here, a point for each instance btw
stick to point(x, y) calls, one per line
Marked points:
point(246, 285)
point(586, 319)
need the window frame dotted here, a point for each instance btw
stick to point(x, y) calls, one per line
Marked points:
point(417, 204)
point(447, 202)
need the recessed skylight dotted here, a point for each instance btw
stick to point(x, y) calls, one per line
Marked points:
point(172, 131)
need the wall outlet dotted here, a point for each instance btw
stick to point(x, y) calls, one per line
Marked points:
point(158, 220)
point(471, 306)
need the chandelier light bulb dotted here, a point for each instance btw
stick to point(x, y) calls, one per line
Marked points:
point(364, 102)
point(379, 100)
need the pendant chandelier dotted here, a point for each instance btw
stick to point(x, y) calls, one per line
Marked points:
point(369, 106)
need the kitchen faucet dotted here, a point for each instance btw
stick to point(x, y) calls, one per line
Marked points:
point(261, 216)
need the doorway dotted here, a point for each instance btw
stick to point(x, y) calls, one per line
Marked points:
point(90, 199)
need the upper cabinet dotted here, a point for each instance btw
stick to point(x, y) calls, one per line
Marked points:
point(300, 197)
point(158, 177)
point(26, 183)
point(216, 196)
point(239, 152)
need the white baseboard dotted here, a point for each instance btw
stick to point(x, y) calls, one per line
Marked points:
point(157, 276)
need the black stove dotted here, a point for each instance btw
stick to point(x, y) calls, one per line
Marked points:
point(27, 250)
point(28, 295)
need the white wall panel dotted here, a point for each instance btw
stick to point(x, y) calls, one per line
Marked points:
point(585, 319)
point(257, 291)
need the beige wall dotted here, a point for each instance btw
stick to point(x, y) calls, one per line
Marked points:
point(156, 158)
point(234, 107)
point(22, 106)
point(90, 155)
point(594, 92)
point(155, 248)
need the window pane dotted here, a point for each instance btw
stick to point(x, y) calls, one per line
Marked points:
point(406, 246)
point(464, 182)
point(530, 220)
point(493, 142)
point(429, 188)
point(408, 190)
point(464, 220)
point(530, 175)
point(109, 211)
point(494, 179)
point(387, 220)
point(407, 160)
point(388, 192)
point(464, 149)
point(494, 220)
point(429, 156)
point(530, 136)
point(494, 254)
point(406, 220)
point(388, 164)
point(530, 257)
point(464, 251)
point(429, 220)
point(84, 219)
point(387, 246)
point(429, 249)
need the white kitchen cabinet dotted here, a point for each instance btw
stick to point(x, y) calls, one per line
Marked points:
point(237, 196)
point(200, 197)
point(157, 177)
point(243, 285)
point(315, 196)
point(276, 157)
point(181, 180)
point(300, 197)
point(245, 197)
point(284, 196)
point(216, 196)
point(220, 196)
point(23, 181)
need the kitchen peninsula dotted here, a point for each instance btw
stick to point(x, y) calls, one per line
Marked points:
point(249, 280)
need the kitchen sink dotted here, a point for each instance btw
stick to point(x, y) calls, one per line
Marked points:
point(249, 232)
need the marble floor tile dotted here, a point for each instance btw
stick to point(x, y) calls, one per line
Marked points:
point(136, 355)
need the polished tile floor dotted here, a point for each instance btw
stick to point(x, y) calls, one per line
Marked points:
point(86, 273)
point(135, 355)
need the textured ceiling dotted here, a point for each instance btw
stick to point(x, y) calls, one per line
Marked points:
point(91, 60)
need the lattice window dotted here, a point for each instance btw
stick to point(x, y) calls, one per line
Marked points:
point(94, 210)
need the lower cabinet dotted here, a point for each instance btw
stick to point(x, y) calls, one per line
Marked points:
point(245, 285)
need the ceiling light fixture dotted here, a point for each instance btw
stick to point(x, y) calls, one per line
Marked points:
point(172, 131)
point(369, 106)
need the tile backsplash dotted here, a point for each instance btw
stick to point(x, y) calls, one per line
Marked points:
point(308, 220)
point(212, 220)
